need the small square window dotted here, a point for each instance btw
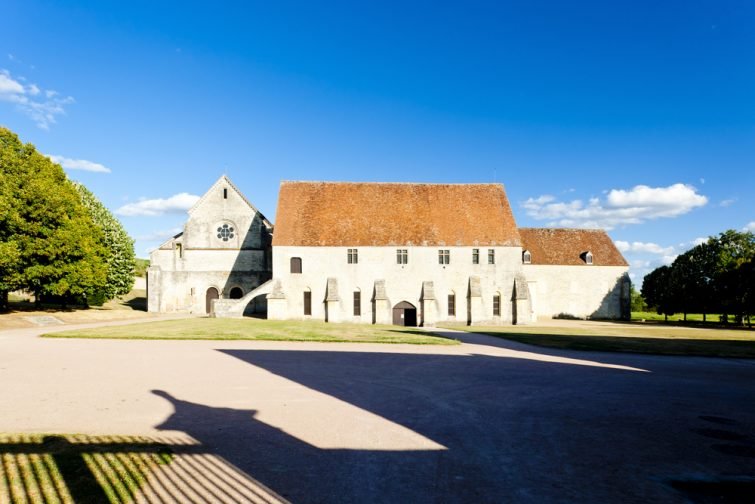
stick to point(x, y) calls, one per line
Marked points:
point(491, 256)
point(475, 256)
point(444, 257)
point(352, 256)
point(402, 256)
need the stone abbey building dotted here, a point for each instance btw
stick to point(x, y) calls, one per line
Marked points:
point(386, 253)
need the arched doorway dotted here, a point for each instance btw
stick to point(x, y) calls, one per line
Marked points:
point(405, 314)
point(212, 293)
point(236, 293)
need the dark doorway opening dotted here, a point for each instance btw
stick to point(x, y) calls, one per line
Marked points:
point(212, 293)
point(405, 314)
point(236, 293)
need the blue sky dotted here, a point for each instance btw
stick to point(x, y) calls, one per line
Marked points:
point(634, 116)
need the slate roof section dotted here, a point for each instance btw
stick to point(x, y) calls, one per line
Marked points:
point(393, 214)
point(554, 246)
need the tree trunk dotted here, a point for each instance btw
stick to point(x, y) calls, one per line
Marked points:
point(37, 299)
point(704, 317)
point(4, 300)
point(665, 317)
point(685, 316)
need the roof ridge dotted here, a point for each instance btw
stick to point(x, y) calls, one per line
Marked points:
point(352, 182)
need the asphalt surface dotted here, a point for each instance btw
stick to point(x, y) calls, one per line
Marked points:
point(486, 421)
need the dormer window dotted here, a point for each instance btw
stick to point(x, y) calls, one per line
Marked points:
point(526, 257)
point(587, 257)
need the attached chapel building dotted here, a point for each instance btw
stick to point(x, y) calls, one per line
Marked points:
point(385, 253)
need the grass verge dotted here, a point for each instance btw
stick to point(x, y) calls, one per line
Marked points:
point(633, 338)
point(254, 329)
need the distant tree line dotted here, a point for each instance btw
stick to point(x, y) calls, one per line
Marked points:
point(57, 240)
point(714, 277)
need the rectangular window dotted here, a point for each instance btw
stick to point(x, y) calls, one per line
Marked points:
point(497, 305)
point(452, 305)
point(352, 256)
point(296, 265)
point(307, 303)
point(225, 193)
point(475, 256)
point(180, 250)
point(357, 303)
point(402, 256)
point(444, 257)
point(491, 256)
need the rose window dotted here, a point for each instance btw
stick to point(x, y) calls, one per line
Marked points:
point(225, 232)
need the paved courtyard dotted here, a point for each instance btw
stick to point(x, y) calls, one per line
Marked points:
point(486, 421)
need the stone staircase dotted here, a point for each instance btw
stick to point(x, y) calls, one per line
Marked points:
point(234, 308)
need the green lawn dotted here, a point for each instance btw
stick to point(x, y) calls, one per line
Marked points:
point(711, 318)
point(254, 329)
point(630, 337)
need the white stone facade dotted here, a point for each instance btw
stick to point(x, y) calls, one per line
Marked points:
point(225, 247)
point(474, 286)
point(598, 292)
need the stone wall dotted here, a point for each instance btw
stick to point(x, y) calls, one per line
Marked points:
point(398, 282)
point(578, 291)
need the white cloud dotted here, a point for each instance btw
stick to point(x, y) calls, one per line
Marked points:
point(42, 106)
point(177, 203)
point(644, 257)
point(160, 236)
point(620, 207)
point(750, 227)
point(79, 164)
point(646, 247)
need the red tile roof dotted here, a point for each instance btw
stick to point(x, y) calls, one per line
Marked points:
point(566, 246)
point(393, 214)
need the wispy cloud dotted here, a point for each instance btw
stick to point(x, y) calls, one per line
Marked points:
point(41, 105)
point(728, 202)
point(79, 164)
point(619, 207)
point(177, 203)
point(750, 227)
point(160, 236)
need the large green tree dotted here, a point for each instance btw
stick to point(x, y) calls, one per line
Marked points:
point(54, 248)
point(121, 260)
point(715, 276)
point(658, 292)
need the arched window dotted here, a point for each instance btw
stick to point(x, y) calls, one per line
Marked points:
point(237, 293)
point(526, 257)
point(296, 265)
point(587, 257)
